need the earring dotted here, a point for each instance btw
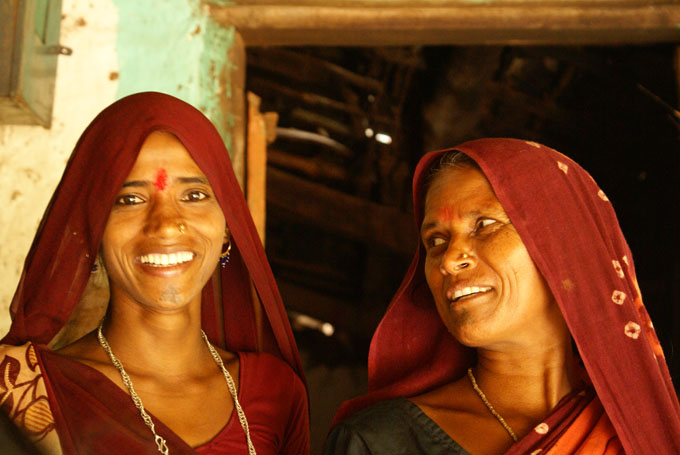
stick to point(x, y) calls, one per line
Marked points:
point(224, 257)
point(95, 265)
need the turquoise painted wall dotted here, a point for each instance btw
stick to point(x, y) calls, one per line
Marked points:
point(172, 46)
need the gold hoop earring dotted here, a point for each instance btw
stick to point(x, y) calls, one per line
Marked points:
point(224, 256)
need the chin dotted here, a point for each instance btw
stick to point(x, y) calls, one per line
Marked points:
point(167, 301)
point(470, 334)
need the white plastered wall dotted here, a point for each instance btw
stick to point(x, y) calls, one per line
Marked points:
point(32, 158)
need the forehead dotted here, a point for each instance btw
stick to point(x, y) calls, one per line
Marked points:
point(461, 189)
point(163, 152)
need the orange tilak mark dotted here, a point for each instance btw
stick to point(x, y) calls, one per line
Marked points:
point(161, 180)
point(446, 214)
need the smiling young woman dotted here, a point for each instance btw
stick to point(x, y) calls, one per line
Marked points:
point(149, 260)
point(521, 261)
point(127, 337)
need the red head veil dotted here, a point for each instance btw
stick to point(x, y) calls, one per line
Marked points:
point(58, 265)
point(571, 232)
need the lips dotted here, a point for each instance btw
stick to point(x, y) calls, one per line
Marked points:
point(459, 292)
point(166, 259)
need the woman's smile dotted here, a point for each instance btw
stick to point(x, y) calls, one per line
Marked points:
point(166, 260)
point(166, 265)
point(464, 292)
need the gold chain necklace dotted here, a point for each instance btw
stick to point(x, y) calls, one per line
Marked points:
point(160, 442)
point(489, 407)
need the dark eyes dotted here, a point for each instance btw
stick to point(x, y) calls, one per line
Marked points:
point(436, 241)
point(483, 222)
point(481, 228)
point(134, 199)
point(129, 199)
point(194, 196)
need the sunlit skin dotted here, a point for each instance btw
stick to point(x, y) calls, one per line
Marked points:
point(154, 320)
point(507, 312)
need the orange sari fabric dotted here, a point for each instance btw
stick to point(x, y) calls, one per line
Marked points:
point(591, 432)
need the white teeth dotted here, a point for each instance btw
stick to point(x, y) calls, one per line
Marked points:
point(469, 291)
point(164, 260)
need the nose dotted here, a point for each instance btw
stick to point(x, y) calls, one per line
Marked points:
point(163, 219)
point(457, 258)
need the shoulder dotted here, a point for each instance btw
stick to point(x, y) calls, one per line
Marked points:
point(19, 362)
point(274, 397)
point(268, 376)
point(16, 352)
point(383, 417)
point(385, 427)
point(395, 427)
point(263, 363)
point(24, 395)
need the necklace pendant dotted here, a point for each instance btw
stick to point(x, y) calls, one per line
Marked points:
point(162, 446)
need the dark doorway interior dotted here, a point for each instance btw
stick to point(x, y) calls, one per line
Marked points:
point(354, 121)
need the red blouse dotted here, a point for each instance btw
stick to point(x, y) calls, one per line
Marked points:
point(94, 415)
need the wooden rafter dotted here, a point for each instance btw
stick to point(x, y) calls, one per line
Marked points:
point(341, 213)
point(454, 23)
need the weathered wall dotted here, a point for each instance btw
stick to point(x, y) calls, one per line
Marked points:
point(32, 158)
point(119, 47)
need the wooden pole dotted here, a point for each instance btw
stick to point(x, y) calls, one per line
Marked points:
point(460, 23)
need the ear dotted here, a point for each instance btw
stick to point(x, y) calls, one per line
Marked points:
point(227, 235)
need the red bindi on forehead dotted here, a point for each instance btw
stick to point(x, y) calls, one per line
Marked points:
point(161, 181)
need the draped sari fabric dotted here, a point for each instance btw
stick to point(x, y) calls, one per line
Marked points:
point(58, 266)
point(570, 229)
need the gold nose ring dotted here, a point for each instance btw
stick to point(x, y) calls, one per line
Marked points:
point(181, 228)
point(463, 257)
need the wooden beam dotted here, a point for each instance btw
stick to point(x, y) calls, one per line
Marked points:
point(262, 85)
point(307, 68)
point(256, 164)
point(341, 213)
point(311, 167)
point(460, 23)
point(233, 104)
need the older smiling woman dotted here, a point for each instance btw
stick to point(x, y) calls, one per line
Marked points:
point(149, 205)
point(519, 327)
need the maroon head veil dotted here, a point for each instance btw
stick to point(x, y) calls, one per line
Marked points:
point(57, 268)
point(571, 232)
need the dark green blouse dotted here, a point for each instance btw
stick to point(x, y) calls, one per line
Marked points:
point(393, 427)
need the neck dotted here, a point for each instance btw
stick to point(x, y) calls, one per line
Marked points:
point(148, 341)
point(531, 380)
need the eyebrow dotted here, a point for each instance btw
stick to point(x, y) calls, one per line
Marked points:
point(427, 226)
point(142, 183)
point(202, 180)
point(135, 183)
